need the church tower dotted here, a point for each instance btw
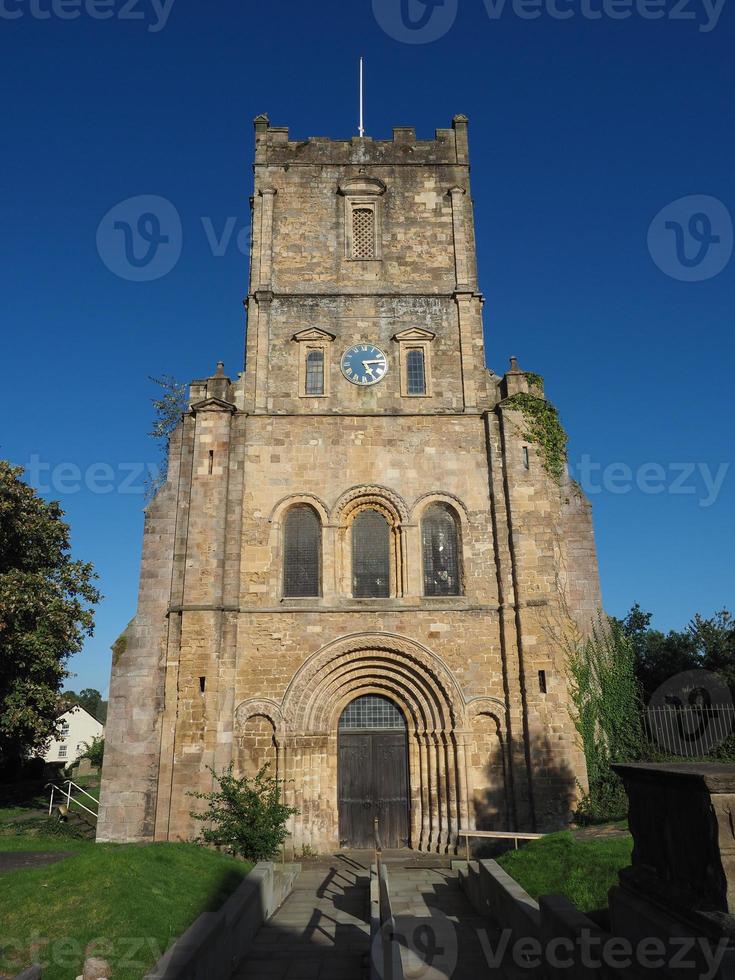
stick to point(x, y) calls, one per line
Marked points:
point(365, 565)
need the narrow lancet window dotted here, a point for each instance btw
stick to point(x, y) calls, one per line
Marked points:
point(315, 372)
point(301, 552)
point(370, 556)
point(440, 545)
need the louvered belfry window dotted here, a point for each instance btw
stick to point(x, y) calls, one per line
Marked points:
point(370, 556)
point(440, 544)
point(315, 372)
point(301, 552)
point(363, 233)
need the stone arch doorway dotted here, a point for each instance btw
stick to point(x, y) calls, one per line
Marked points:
point(431, 701)
point(372, 773)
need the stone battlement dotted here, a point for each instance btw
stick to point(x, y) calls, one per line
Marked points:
point(449, 146)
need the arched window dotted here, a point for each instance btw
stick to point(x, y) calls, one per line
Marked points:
point(440, 545)
point(371, 711)
point(370, 556)
point(315, 372)
point(301, 552)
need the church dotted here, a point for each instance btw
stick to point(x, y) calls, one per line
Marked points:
point(368, 557)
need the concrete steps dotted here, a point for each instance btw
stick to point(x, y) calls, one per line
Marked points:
point(322, 930)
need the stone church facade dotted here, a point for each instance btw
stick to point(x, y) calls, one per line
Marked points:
point(360, 569)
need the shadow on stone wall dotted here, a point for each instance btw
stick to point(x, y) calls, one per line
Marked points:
point(509, 801)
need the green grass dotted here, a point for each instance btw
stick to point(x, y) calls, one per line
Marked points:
point(36, 840)
point(582, 871)
point(129, 900)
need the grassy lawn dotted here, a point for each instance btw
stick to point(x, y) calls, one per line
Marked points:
point(129, 900)
point(581, 870)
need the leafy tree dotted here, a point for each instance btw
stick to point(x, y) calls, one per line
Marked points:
point(714, 642)
point(168, 409)
point(46, 601)
point(95, 751)
point(606, 713)
point(245, 816)
point(706, 643)
point(90, 699)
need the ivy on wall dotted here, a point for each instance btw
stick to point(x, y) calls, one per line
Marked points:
point(119, 647)
point(534, 380)
point(543, 428)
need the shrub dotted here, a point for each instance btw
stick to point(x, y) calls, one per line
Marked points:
point(607, 715)
point(95, 752)
point(245, 816)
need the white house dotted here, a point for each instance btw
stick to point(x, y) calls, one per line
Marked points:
point(77, 728)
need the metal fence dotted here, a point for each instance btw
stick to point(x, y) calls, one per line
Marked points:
point(689, 730)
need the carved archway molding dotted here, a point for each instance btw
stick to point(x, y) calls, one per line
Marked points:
point(362, 497)
point(286, 503)
point(359, 497)
point(420, 681)
point(439, 497)
point(259, 707)
point(486, 706)
point(437, 713)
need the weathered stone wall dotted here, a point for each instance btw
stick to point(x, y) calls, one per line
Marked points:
point(136, 700)
point(424, 272)
point(220, 667)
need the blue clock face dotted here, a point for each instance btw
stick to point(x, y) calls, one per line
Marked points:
point(364, 364)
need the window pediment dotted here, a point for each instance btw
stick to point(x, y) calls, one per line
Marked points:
point(413, 333)
point(212, 405)
point(313, 333)
point(362, 185)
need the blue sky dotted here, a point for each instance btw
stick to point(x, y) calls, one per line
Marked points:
point(582, 130)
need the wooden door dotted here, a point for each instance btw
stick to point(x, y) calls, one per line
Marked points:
point(390, 781)
point(372, 781)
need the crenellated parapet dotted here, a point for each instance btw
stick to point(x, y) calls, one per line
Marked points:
point(273, 147)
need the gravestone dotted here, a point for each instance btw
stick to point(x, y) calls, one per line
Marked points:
point(681, 881)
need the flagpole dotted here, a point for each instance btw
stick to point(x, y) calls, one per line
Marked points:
point(362, 127)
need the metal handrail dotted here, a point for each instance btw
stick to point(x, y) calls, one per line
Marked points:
point(378, 844)
point(67, 793)
point(77, 787)
point(386, 961)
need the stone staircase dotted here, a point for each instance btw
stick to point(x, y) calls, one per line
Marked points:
point(322, 930)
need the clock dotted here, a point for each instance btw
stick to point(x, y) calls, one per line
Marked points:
point(364, 364)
